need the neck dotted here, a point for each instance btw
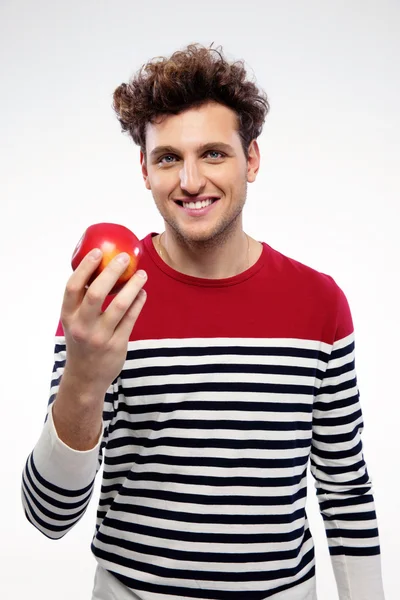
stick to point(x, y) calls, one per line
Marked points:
point(214, 259)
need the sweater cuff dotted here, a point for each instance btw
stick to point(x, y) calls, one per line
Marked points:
point(61, 465)
point(358, 577)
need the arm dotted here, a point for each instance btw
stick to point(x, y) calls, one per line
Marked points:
point(342, 482)
point(58, 480)
point(58, 477)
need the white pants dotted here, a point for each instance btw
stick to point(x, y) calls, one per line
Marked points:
point(107, 587)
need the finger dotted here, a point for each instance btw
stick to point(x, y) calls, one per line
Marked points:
point(129, 319)
point(122, 302)
point(75, 289)
point(101, 287)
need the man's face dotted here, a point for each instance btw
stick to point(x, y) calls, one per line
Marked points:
point(187, 171)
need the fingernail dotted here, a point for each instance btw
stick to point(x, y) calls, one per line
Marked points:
point(95, 253)
point(142, 274)
point(123, 258)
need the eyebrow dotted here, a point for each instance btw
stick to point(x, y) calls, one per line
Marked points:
point(203, 148)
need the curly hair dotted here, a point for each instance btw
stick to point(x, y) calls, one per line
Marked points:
point(189, 78)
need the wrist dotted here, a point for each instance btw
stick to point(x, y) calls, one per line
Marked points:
point(80, 389)
point(78, 413)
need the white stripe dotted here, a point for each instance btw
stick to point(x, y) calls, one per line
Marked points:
point(223, 490)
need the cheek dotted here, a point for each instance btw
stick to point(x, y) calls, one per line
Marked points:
point(162, 183)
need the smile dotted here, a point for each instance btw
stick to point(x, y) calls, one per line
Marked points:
point(198, 208)
point(197, 205)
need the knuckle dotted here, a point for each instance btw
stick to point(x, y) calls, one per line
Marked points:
point(93, 297)
point(77, 333)
point(121, 305)
point(97, 341)
point(72, 287)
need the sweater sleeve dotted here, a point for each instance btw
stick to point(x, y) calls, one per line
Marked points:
point(58, 481)
point(344, 488)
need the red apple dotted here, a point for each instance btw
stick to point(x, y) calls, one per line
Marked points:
point(111, 239)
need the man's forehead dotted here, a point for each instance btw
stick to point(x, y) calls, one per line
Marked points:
point(208, 119)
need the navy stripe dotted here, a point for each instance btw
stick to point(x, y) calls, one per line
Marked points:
point(200, 575)
point(223, 424)
point(204, 557)
point(215, 406)
point(235, 387)
point(214, 500)
point(205, 461)
point(213, 350)
point(248, 444)
point(209, 518)
point(354, 551)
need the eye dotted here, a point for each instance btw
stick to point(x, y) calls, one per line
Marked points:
point(215, 152)
point(221, 154)
point(166, 156)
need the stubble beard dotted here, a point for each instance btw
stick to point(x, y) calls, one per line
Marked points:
point(214, 237)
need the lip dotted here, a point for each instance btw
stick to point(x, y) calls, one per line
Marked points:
point(199, 212)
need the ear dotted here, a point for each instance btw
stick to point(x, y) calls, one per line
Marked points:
point(253, 164)
point(144, 170)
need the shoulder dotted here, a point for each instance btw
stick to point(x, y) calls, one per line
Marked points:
point(306, 286)
point(291, 269)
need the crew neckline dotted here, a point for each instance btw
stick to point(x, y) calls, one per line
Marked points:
point(202, 281)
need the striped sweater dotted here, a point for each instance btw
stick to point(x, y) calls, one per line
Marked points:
point(231, 388)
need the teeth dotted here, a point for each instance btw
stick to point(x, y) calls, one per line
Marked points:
point(197, 205)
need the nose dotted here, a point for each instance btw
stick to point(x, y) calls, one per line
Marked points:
point(192, 178)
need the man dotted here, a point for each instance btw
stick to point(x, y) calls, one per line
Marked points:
point(206, 396)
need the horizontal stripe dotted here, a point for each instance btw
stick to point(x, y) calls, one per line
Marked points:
point(210, 499)
point(337, 455)
point(215, 576)
point(198, 443)
point(198, 461)
point(228, 350)
point(52, 500)
point(202, 537)
point(215, 406)
point(345, 502)
point(352, 517)
point(354, 551)
point(224, 424)
point(220, 519)
point(339, 532)
point(233, 558)
point(208, 480)
point(215, 386)
point(218, 368)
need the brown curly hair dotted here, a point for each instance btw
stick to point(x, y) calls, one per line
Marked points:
point(189, 78)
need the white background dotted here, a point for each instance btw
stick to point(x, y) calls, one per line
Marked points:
point(327, 195)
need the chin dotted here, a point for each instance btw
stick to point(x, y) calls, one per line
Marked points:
point(207, 236)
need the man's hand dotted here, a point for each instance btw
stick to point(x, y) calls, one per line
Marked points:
point(97, 341)
point(96, 345)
